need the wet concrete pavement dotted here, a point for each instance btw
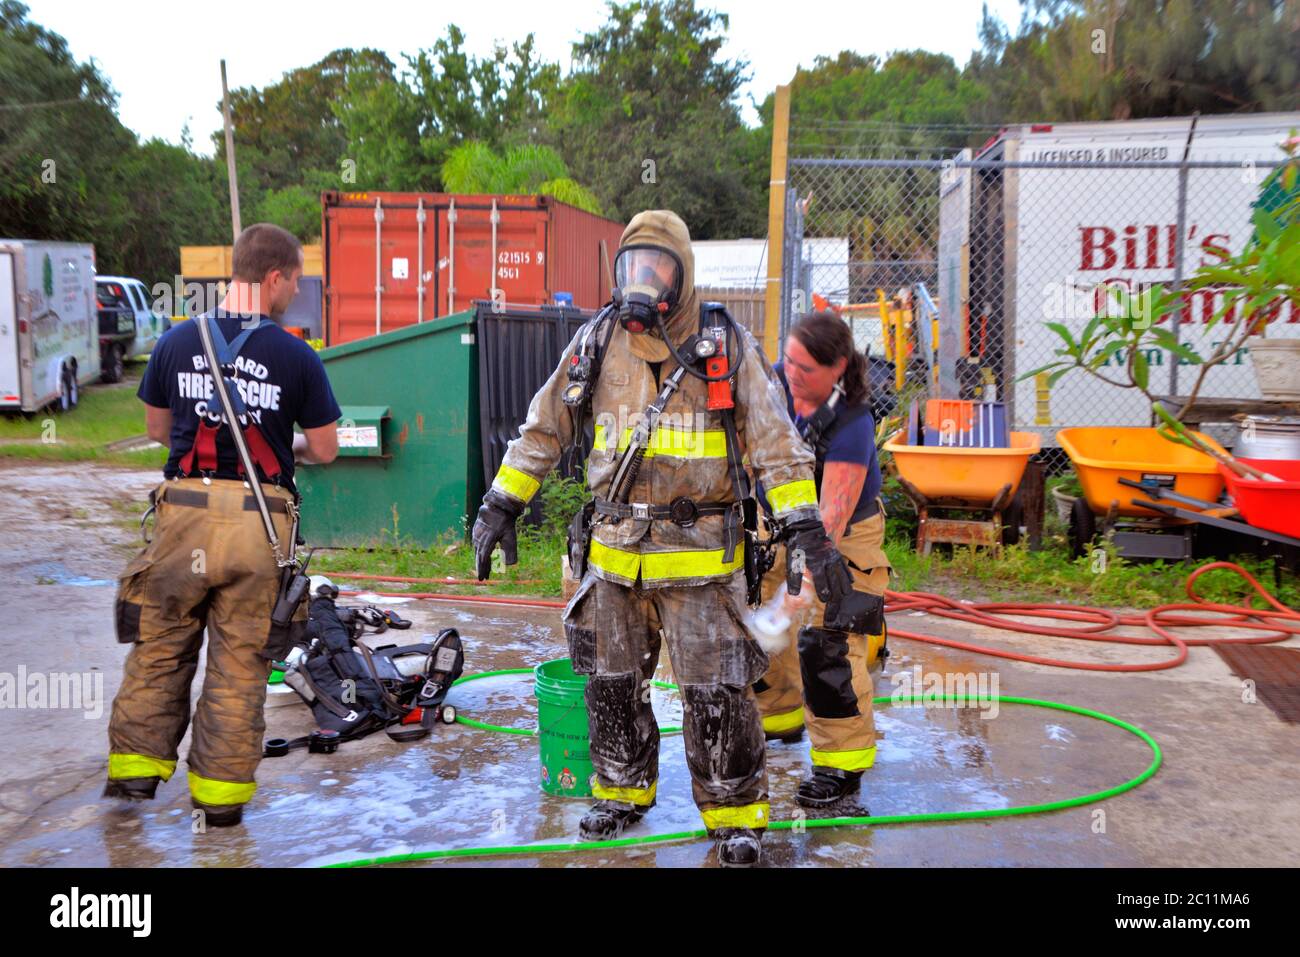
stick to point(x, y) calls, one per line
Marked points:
point(1223, 797)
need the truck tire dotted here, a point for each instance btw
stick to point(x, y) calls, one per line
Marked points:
point(1083, 528)
point(114, 364)
point(67, 400)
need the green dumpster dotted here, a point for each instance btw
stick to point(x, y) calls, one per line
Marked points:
point(410, 461)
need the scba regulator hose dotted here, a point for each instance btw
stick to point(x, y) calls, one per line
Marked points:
point(868, 821)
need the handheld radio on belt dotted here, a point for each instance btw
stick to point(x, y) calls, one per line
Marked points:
point(294, 582)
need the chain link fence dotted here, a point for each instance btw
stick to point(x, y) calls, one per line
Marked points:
point(958, 262)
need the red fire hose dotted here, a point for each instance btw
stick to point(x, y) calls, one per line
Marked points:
point(1097, 624)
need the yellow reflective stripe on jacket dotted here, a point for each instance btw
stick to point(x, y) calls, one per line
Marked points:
point(207, 791)
point(781, 723)
point(614, 560)
point(658, 566)
point(122, 766)
point(641, 797)
point(681, 443)
point(858, 760)
point(748, 815)
point(514, 482)
point(792, 495)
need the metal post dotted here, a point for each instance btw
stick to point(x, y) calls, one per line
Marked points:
point(451, 257)
point(419, 276)
point(788, 274)
point(776, 221)
point(235, 224)
point(804, 267)
point(496, 218)
point(1179, 242)
point(379, 268)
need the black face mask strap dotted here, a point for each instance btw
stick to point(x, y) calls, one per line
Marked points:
point(817, 424)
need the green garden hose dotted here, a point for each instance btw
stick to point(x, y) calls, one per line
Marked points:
point(871, 820)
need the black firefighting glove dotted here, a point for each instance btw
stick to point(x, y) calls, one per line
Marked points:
point(495, 525)
point(809, 547)
point(859, 612)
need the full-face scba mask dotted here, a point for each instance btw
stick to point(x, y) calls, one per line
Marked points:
point(648, 286)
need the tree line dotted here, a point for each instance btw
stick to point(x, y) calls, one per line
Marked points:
point(648, 114)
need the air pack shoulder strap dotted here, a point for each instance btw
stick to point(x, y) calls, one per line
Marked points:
point(230, 402)
point(264, 457)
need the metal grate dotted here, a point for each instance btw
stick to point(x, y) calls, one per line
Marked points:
point(1275, 671)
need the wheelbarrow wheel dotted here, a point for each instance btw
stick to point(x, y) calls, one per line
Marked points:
point(1083, 527)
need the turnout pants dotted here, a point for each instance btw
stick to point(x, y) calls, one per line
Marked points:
point(209, 565)
point(614, 634)
point(822, 679)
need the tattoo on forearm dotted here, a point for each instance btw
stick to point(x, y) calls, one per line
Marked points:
point(841, 486)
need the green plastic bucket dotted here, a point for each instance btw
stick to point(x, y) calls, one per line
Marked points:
point(562, 733)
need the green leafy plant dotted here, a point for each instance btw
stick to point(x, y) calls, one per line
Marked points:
point(475, 167)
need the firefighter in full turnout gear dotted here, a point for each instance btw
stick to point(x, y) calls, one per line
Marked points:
point(211, 563)
point(820, 674)
point(678, 396)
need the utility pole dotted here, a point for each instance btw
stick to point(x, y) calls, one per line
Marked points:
point(776, 224)
point(230, 156)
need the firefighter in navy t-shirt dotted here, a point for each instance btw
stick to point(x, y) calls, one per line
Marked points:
point(823, 680)
point(209, 563)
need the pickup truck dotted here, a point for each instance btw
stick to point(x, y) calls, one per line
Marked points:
point(128, 327)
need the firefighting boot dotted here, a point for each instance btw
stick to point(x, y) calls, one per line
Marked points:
point(220, 815)
point(131, 789)
point(607, 819)
point(826, 786)
point(738, 846)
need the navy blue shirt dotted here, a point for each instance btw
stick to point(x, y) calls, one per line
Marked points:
point(280, 377)
point(852, 439)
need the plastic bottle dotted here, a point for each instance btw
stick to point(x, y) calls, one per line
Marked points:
point(771, 624)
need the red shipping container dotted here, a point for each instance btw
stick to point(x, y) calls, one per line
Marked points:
point(394, 259)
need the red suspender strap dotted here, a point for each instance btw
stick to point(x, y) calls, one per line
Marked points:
point(263, 457)
point(202, 456)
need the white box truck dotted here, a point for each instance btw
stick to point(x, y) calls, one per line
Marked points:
point(49, 330)
point(1020, 247)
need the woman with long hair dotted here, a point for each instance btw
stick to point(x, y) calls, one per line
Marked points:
point(822, 679)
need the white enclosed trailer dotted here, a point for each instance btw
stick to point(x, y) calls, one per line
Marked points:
point(49, 333)
point(1055, 217)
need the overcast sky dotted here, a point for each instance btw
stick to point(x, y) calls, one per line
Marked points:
point(162, 56)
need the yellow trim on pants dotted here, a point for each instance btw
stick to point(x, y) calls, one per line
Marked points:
point(217, 793)
point(123, 766)
point(753, 816)
point(786, 721)
point(518, 484)
point(792, 495)
point(660, 566)
point(641, 797)
point(858, 760)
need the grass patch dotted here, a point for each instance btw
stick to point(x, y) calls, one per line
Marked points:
point(541, 548)
point(1051, 575)
point(104, 414)
point(452, 557)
